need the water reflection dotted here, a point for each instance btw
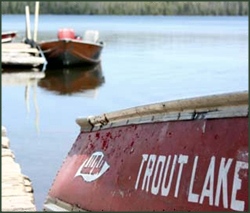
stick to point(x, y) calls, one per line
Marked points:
point(69, 81)
point(27, 78)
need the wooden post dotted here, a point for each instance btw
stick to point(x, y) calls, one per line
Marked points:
point(27, 12)
point(36, 20)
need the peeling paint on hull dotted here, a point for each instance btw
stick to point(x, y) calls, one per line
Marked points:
point(176, 165)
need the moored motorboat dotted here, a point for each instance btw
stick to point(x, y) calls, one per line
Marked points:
point(8, 36)
point(183, 155)
point(70, 49)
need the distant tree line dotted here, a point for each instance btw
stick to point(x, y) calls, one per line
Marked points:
point(130, 8)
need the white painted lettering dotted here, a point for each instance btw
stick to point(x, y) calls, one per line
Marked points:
point(160, 163)
point(210, 183)
point(208, 192)
point(183, 159)
point(237, 205)
point(222, 184)
point(165, 190)
point(144, 158)
point(148, 172)
point(192, 197)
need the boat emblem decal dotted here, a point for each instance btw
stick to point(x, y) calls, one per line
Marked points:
point(93, 167)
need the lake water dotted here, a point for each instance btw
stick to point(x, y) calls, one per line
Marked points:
point(146, 59)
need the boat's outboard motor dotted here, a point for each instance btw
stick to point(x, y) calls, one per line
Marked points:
point(66, 33)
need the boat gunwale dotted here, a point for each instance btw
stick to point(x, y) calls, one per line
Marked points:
point(9, 32)
point(205, 107)
point(99, 44)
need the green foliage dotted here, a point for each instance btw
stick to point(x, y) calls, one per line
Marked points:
point(130, 8)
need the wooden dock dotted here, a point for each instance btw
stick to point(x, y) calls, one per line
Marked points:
point(17, 190)
point(21, 54)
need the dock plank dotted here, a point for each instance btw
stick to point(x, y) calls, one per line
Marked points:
point(21, 54)
point(15, 45)
point(18, 47)
point(33, 50)
point(22, 59)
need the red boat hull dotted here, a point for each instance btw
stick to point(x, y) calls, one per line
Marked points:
point(198, 163)
point(71, 52)
point(8, 36)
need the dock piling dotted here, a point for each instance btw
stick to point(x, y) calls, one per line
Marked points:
point(36, 20)
point(27, 12)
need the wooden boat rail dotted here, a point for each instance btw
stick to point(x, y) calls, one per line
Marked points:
point(53, 204)
point(207, 107)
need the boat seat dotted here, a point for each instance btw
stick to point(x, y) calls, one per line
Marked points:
point(91, 36)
